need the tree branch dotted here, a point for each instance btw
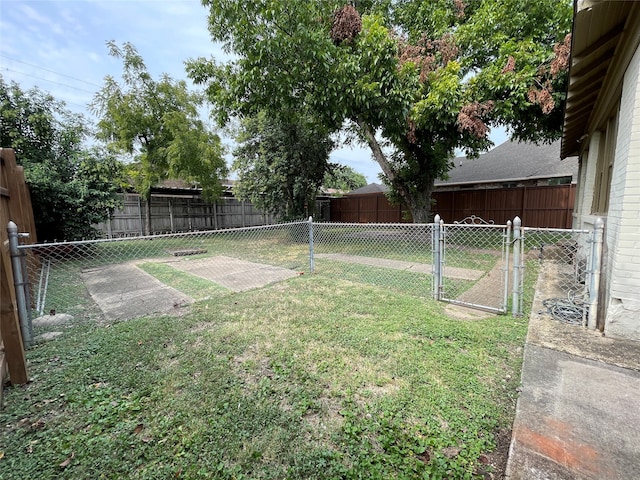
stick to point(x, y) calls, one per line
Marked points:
point(378, 154)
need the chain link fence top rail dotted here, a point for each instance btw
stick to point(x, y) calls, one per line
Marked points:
point(63, 277)
point(558, 263)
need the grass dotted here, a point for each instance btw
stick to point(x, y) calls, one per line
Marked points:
point(316, 377)
point(192, 285)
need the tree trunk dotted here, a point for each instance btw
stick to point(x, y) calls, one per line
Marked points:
point(420, 206)
point(147, 220)
point(417, 197)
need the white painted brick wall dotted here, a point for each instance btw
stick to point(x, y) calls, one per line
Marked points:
point(623, 219)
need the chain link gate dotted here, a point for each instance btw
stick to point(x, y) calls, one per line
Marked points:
point(471, 263)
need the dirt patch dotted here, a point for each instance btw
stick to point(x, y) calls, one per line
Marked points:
point(494, 464)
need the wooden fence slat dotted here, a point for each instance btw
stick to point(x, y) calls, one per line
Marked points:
point(15, 205)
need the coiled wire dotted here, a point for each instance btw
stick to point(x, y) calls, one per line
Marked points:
point(569, 310)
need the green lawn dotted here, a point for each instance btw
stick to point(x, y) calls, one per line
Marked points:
point(320, 376)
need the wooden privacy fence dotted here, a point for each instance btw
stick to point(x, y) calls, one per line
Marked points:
point(181, 213)
point(367, 208)
point(537, 206)
point(15, 205)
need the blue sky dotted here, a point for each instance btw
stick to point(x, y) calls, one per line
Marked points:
point(60, 47)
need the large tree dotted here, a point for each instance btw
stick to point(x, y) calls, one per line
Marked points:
point(158, 122)
point(417, 80)
point(281, 163)
point(71, 186)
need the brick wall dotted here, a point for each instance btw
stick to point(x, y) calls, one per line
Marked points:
point(623, 223)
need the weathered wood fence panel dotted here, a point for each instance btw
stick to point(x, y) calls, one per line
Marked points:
point(15, 205)
point(538, 206)
point(181, 214)
point(367, 208)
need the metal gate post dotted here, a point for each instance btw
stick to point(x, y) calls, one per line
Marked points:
point(516, 307)
point(436, 257)
point(311, 253)
point(596, 269)
point(506, 249)
point(18, 281)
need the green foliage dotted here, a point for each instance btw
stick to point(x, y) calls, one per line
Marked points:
point(158, 121)
point(281, 163)
point(345, 178)
point(456, 69)
point(71, 187)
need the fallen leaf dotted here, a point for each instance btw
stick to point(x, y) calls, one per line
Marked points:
point(451, 452)
point(1, 455)
point(67, 461)
point(138, 428)
point(146, 439)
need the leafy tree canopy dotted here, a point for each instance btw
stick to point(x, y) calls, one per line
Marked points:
point(281, 164)
point(344, 178)
point(71, 187)
point(416, 79)
point(158, 121)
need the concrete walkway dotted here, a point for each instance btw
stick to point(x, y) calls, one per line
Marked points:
point(578, 414)
point(451, 272)
point(125, 291)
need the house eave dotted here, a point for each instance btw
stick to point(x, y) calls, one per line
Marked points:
point(602, 30)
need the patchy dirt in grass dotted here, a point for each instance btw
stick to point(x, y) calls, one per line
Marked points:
point(494, 464)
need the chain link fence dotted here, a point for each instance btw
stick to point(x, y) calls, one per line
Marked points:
point(468, 264)
point(394, 256)
point(559, 265)
point(70, 277)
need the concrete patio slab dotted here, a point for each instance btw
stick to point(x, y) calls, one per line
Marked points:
point(124, 291)
point(576, 419)
point(234, 274)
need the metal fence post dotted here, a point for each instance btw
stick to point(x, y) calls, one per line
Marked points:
point(507, 240)
point(596, 270)
point(441, 260)
point(516, 307)
point(436, 257)
point(18, 281)
point(311, 259)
